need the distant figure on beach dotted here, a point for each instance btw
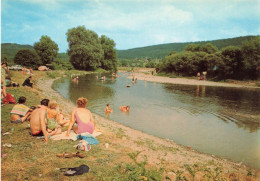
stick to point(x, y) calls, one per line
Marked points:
point(20, 111)
point(28, 82)
point(204, 75)
point(108, 109)
point(102, 78)
point(128, 85)
point(125, 108)
point(198, 76)
point(75, 79)
point(37, 121)
point(83, 117)
point(31, 70)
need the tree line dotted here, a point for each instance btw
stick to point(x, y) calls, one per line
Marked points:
point(231, 62)
point(86, 51)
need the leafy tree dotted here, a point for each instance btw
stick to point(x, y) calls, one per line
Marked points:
point(85, 49)
point(251, 58)
point(60, 64)
point(4, 58)
point(46, 49)
point(27, 58)
point(234, 65)
point(110, 55)
point(207, 48)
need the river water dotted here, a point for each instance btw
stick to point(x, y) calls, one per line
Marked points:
point(221, 121)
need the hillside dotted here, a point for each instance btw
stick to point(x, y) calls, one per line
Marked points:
point(10, 49)
point(160, 51)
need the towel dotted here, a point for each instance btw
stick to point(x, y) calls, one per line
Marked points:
point(73, 135)
point(89, 138)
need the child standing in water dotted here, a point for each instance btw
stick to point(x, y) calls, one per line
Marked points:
point(52, 117)
point(108, 109)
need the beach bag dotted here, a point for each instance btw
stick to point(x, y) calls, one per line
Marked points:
point(83, 145)
point(9, 99)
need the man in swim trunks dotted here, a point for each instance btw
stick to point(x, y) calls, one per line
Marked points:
point(38, 122)
point(20, 111)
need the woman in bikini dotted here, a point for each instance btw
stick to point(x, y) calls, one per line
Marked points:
point(83, 117)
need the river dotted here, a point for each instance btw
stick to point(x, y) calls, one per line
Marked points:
point(222, 121)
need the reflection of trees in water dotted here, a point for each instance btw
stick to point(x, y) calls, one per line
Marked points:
point(240, 106)
point(91, 88)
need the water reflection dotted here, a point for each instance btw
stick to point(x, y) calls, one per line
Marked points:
point(240, 106)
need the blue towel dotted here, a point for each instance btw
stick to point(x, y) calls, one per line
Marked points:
point(90, 139)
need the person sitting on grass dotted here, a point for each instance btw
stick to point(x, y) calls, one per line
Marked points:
point(108, 109)
point(53, 117)
point(37, 121)
point(20, 111)
point(83, 117)
point(28, 82)
point(125, 108)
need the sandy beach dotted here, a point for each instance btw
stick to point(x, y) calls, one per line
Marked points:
point(159, 152)
point(147, 75)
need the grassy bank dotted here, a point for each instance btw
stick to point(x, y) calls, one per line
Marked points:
point(131, 155)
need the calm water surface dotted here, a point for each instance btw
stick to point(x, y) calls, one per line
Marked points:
point(215, 120)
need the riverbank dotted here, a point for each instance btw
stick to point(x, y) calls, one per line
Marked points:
point(159, 158)
point(146, 74)
point(185, 81)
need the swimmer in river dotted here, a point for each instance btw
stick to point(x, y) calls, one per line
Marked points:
point(108, 109)
point(125, 108)
point(128, 85)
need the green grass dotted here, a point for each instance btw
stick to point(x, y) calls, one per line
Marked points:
point(30, 158)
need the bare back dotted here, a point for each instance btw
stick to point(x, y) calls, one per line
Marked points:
point(35, 122)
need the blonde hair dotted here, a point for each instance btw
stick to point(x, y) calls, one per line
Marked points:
point(52, 105)
point(82, 102)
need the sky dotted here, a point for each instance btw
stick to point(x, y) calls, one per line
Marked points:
point(130, 23)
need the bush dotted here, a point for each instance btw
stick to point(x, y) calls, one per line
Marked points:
point(60, 64)
point(27, 58)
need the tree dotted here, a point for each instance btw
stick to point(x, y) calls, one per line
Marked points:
point(232, 57)
point(207, 48)
point(110, 55)
point(27, 58)
point(85, 49)
point(251, 58)
point(46, 49)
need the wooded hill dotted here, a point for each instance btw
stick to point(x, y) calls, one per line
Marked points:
point(160, 51)
point(10, 49)
point(154, 51)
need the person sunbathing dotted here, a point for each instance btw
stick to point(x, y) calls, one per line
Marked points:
point(20, 111)
point(83, 117)
point(108, 109)
point(125, 108)
point(37, 121)
point(53, 117)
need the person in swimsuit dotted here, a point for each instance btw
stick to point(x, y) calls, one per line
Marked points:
point(20, 111)
point(83, 117)
point(108, 109)
point(37, 121)
point(125, 108)
point(52, 117)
